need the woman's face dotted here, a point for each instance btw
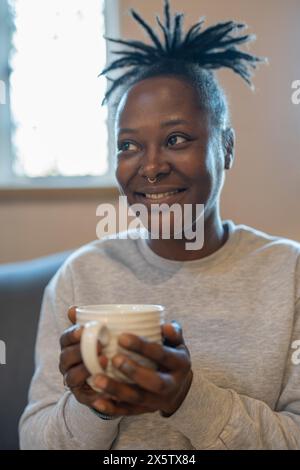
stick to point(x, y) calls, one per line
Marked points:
point(163, 133)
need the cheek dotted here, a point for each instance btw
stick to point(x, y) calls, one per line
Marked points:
point(119, 173)
point(214, 173)
point(208, 174)
point(123, 172)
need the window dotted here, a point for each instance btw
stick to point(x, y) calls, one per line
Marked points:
point(56, 133)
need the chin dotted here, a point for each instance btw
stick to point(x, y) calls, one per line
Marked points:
point(160, 228)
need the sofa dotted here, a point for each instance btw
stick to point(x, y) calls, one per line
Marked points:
point(21, 291)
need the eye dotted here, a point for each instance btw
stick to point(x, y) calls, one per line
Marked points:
point(176, 140)
point(127, 146)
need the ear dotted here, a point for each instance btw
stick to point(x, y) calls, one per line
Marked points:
point(228, 145)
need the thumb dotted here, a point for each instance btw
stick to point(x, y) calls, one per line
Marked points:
point(72, 314)
point(172, 334)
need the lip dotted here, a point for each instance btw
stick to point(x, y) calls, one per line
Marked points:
point(158, 189)
point(171, 199)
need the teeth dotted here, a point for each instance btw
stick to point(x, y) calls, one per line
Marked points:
point(160, 195)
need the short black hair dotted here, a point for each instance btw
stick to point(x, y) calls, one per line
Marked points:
point(192, 57)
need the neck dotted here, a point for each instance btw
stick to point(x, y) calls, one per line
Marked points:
point(215, 235)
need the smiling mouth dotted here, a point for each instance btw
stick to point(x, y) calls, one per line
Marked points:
point(160, 196)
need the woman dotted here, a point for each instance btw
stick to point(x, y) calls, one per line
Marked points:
point(232, 380)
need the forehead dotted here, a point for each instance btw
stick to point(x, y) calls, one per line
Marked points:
point(156, 98)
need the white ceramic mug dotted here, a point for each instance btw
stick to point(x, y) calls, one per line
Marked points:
point(105, 323)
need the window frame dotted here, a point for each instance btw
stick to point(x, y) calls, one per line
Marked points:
point(10, 181)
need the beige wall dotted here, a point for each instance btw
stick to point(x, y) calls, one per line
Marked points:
point(263, 188)
point(40, 225)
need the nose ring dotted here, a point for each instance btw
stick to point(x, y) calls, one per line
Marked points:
point(152, 180)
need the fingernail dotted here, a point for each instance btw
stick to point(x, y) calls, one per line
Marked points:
point(176, 325)
point(103, 362)
point(100, 382)
point(122, 363)
point(100, 405)
point(118, 361)
point(127, 368)
point(125, 340)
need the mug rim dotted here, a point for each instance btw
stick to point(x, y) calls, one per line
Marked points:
point(116, 309)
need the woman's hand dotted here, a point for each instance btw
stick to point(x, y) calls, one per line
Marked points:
point(71, 366)
point(163, 390)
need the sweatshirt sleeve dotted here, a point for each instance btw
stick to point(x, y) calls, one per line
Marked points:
point(53, 418)
point(217, 418)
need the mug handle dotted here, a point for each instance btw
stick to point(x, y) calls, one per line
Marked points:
point(92, 332)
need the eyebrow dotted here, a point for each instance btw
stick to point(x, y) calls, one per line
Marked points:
point(171, 122)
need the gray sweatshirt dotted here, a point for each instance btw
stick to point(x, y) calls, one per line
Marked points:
point(240, 313)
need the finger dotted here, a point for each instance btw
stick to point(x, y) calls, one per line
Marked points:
point(164, 356)
point(120, 391)
point(71, 336)
point(72, 314)
point(69, 357)
point(112, 408)
point(147, 379)
point(86, 395)
point(76, 376)
point(127, 393)
point(172, 334)
point(103, 361)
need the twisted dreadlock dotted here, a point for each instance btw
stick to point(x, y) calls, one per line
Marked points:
point(191, 57)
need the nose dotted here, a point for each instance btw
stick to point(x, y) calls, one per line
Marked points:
point(153, 163)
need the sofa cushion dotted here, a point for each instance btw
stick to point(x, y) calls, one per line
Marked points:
point(21, 291)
